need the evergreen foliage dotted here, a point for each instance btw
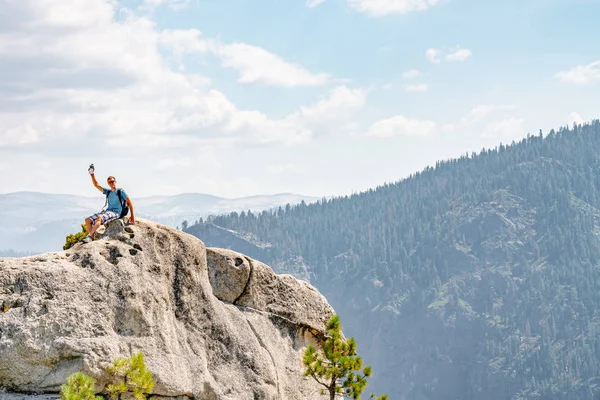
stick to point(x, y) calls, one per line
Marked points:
point(133, 377)
point(476, 278)
point(335, 366)
point(73, 239)
point(79, 386)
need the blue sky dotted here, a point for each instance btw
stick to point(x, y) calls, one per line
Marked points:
point(237, 98)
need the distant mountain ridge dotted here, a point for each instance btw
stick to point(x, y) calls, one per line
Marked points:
point(34, 222)
point(478, 278)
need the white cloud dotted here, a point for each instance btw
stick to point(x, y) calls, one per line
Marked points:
point(72, 73)
point(400, 126)
point(575, 118)
point(185, 41)
point(298, 127)
point(448, 128)
point(174, 4)
point(581, 74)
point(378, 8)
point(420, 87)
point(335, 106)
point(313, 3)
point(480, 112)
point(433, 55)
point(182, 42)
point(508, 128)
point(459, 55)
point(171, 163)
point(254, 64)
point(412, 74)
point(283, 169)
point(18, 135)
point(258, 65)
point(262, 130)
point(165, 2)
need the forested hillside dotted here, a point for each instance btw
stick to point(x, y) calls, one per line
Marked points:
point(478, 278)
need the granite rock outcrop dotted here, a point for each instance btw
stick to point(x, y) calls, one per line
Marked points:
point(212, 323)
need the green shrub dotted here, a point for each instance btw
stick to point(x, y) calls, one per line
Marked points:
point(130, 376)
point(133, 377)
point(79, 386)
point(73, 239)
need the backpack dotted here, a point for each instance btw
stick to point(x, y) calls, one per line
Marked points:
point(124, 206)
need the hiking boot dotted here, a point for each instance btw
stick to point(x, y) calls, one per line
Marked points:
point(87, 239)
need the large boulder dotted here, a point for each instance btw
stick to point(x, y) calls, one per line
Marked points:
point(212, 323)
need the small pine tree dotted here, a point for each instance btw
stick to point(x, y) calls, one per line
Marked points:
point(334, 367)
point(73, 239)
point(79, 386)
point(133, 375)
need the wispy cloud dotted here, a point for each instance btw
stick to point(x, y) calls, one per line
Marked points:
point(412, 74)
point(459, 55)
point(335, 105)
point(400, 126)
point(508, 128)
point(114, 84)
point(256, 65)
point(480, 112)
point(581, 74)
point(575, 118)
point(379, 8)
point(283, 169)
point(313, 3)
point(420, 87)
point(433, 55)
point(174, 4)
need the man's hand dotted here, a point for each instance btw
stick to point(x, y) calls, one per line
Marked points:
point(130, 204)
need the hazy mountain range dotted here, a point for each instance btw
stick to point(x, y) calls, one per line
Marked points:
point(32, 222)
point(476, 279)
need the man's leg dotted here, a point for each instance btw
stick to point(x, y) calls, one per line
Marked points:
point(88, 224)
point(97, 225)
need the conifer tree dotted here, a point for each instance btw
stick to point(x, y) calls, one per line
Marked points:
point(79, 386)
point(134, 375)
point(334, 367)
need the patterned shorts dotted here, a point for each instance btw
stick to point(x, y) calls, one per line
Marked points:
point(106, 216)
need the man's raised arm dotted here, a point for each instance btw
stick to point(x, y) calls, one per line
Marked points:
point(95, 182)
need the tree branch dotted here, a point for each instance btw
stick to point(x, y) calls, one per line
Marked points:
point(318, 381)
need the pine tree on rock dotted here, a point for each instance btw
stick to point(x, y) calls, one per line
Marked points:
point(334, 366)
point(79, 386)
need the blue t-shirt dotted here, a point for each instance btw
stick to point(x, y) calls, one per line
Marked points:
point(113, 200)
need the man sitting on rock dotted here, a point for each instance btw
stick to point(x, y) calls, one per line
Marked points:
point(113, 210)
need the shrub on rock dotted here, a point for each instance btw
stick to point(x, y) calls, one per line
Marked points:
point(79, 386)
point(133, 377)
point(73, 239)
